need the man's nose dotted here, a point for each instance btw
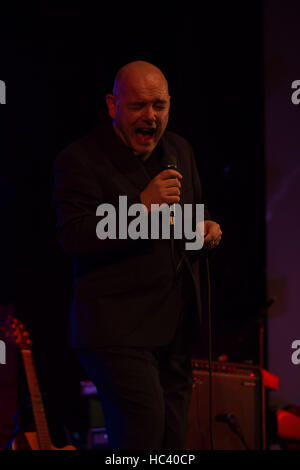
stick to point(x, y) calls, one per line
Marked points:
point(149, 114)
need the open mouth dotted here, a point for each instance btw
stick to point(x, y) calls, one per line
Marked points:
point(146, 131)
point(145, 135)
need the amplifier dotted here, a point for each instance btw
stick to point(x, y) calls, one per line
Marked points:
point(237, 407)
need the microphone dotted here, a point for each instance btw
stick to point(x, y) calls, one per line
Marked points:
point(170, 162)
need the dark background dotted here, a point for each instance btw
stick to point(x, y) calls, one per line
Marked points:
point(57, 74)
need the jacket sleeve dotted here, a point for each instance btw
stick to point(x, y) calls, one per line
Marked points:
point(76, 196)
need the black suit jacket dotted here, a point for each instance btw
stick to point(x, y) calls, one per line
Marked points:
point(124, 291)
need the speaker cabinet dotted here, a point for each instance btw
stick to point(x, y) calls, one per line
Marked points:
point(237, 408)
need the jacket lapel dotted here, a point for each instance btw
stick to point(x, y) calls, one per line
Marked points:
point(120, 156)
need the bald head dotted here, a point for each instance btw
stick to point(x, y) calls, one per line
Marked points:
point(135, 73)
point(139, 106)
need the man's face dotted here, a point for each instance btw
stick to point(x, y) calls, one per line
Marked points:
point(140, 113)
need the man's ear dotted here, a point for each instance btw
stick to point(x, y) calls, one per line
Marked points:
point(111, 104)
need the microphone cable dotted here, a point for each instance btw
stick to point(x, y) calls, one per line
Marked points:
point(172, 227)
point(210, 386)
point(209, 313)
point(170, 162)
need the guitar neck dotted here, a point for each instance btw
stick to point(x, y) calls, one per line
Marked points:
point(36, 401)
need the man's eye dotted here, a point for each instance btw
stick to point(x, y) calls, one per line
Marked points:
point(136, 107)
point(160, 106)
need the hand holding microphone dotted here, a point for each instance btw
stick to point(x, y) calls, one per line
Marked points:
point(163, 188)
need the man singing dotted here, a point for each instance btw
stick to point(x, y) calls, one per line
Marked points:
point(134, 313)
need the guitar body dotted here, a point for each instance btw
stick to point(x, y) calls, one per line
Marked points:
point(29, 441)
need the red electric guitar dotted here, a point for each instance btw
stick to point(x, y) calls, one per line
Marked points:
point(39, 440)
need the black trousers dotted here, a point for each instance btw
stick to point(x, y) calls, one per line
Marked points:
point(144, 392)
